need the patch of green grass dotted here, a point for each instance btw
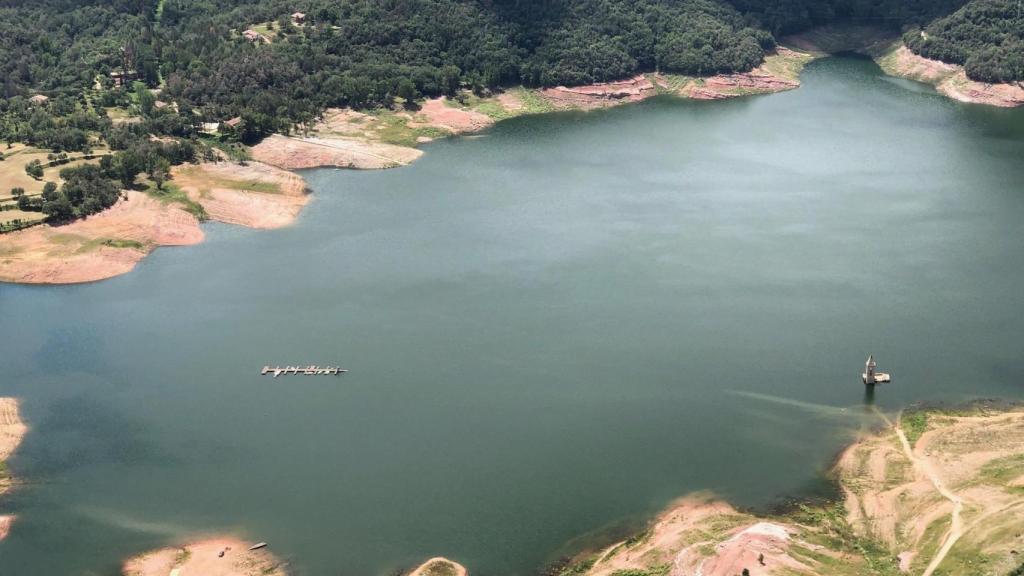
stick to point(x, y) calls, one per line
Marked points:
point(490, 106)
point(660, 570)
point(91, 245)
point(1002, 471)
point(210, 182)
point(789, 66)
point(533, 103)
point(914, 425)
point(932, 540)
point(119, 243)
point(395, 129)
point(829, 528)
point(171, 193)
point(671, 83)
point(234, 151)
point(494, 109)
point(965, 560)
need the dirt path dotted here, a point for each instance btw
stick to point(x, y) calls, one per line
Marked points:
point(923, 465)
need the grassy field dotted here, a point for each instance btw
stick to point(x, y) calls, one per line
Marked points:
point(12, 215)
point(171, 193)
point(393, 128)
point(210, 182)
point(13, 175)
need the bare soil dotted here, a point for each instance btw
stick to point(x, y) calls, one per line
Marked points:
point(701, 535)
point(437, 113)
point(600, 95)
point(204, 558)
point(294, 153)
point(255, 195)
point(98, 247)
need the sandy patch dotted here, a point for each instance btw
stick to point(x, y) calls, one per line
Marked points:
point(439, 566)
point(204, 559)
point(438, 114)
point(98, 247)
point(12, 430)
point(5, 526)
point(255, 195)
point(511, 102)
point(600, 95)
point(293, 153)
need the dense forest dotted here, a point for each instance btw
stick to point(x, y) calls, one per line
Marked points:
point(986, 37)
point(218, 59)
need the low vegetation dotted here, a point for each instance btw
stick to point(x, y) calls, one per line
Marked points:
point(170, 192)
point(915, 423)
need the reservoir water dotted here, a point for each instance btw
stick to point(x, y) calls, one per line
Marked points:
point(553, 330)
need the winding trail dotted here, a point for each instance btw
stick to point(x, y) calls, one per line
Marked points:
point(956, 529)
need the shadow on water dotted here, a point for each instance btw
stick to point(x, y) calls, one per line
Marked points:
point(869, 395)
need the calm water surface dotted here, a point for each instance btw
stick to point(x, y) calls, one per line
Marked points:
point(553, 330)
